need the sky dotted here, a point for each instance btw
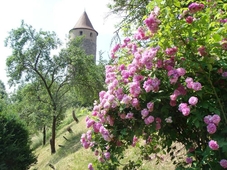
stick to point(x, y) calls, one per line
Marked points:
point(54, 15)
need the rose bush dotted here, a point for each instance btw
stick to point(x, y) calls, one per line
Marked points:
point(166, 84)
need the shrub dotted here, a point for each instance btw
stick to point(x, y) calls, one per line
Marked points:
point(15, 152)
point(166, 84)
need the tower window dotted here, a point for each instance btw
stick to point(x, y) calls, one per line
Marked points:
point(91, 34)
point(81, 32)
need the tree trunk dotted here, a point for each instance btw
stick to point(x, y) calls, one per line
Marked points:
point(52, 141)
point(74, 116)
point(44, 135)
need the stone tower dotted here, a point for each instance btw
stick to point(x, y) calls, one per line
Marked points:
point(84, 28)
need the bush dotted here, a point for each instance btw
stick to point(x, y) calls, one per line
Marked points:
point(15, 152)
point(166, 84)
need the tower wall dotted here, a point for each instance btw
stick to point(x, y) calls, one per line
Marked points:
point(89, 42)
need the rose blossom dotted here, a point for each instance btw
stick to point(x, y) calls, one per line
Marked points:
point(193, 100)
point(107, 155)
point(196, 86)
point(213, 145)
point(207, 119)
point(211, 128)
point(186, 111)
point(202, 51)
point(129, 115)
point(90, 167)
point(223, 163)
point(149, 120)
point(188, 160)
point(215, 119)
point(144, 113)
point(189, 19)
point(158, 126)
point(182, 105)
point(150, 106)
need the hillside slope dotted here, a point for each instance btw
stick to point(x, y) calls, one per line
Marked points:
point(71, 155)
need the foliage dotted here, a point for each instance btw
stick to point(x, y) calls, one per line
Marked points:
point(26, 100)
point(52, 77)
point(166, 84)
point(130, 10)
point(2, 90)
point(15, 152)
point(3, 96)
point(88, 78)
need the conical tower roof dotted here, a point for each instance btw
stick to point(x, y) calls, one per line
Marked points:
point(84, 23)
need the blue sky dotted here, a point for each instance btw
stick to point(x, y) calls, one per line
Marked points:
point(54, 15)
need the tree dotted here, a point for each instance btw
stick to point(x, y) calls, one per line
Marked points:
point(15, 152)
point(131, 11)
point(54, 76)
point(26, 101)
point(3, 96)
point(88, 78)
point(2, 90)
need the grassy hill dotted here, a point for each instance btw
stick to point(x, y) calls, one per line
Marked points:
point(71, 155)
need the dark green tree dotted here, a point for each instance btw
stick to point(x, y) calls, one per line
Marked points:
point(3, 96)
point(88, 77)
point(27, 102)
point(15, 151)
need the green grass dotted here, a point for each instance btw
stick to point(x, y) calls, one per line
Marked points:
point(72, 156)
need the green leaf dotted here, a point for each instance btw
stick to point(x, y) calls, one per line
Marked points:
point(217, 37)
